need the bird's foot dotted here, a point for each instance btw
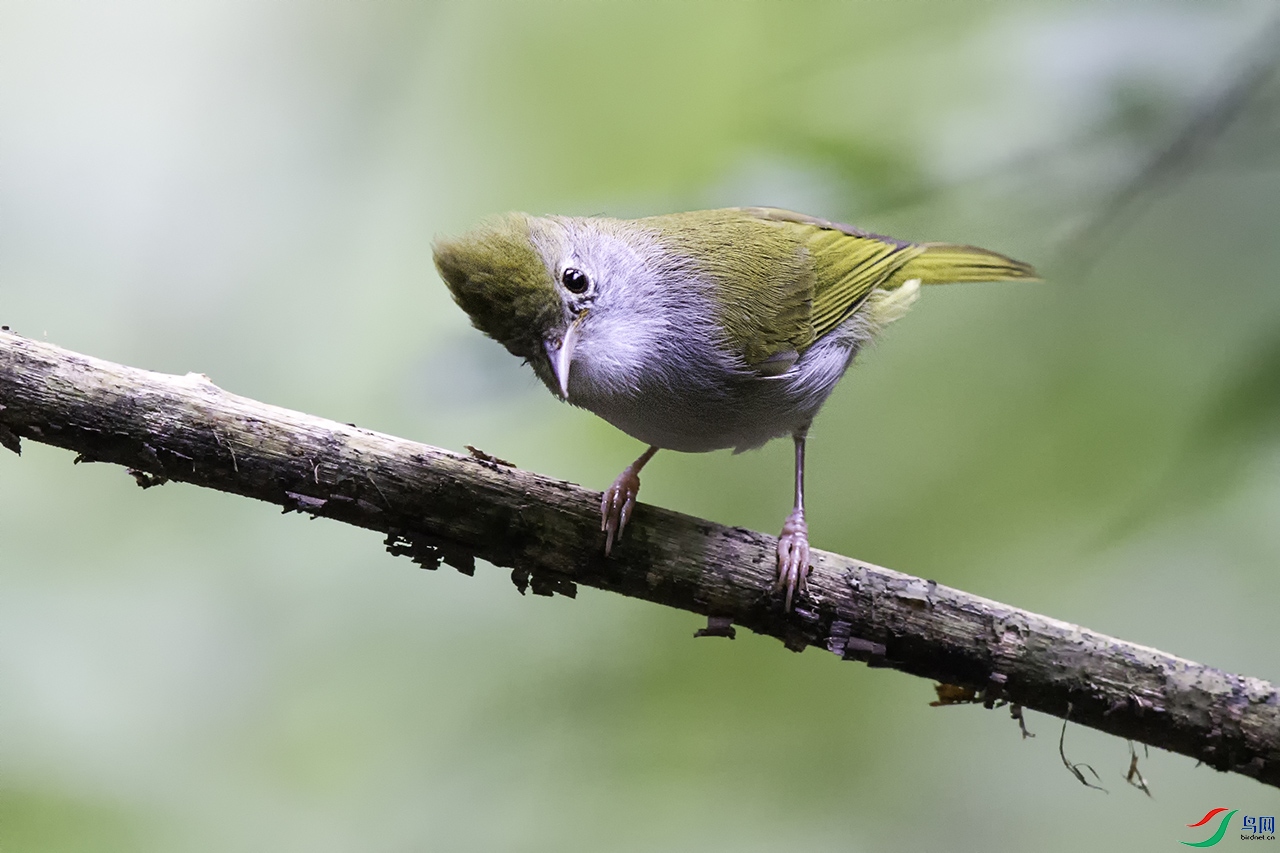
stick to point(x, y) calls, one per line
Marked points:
point(616, 505)
point(793, 557)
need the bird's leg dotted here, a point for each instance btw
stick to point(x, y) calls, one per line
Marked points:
point(619, 499)
point(793, 544)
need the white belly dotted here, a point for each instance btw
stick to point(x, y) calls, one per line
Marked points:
point(699, 404)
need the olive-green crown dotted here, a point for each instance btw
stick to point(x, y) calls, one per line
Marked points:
point(497, 276)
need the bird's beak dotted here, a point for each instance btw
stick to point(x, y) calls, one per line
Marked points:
point(560, 354)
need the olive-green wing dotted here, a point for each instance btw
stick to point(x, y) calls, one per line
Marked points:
point(782, 280)
point(761, 280)
point(849, 264)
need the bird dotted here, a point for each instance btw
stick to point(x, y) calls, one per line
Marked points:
point(697, 331)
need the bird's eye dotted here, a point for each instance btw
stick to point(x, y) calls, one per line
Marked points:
point(575, 280)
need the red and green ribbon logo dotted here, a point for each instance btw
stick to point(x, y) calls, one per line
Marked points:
point(1217, 836)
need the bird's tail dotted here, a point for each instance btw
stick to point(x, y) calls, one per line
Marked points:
point(951, 263)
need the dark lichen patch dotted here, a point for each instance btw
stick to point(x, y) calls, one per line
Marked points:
point(298, 502)
point(9, 439)
point(838, 636)
point(520, 578)
point(552, 583)
point(955, 694)
point(717, 626)
point(543, 582)
point(794, 641)
point(1253, 767)
point(460, 560)
point(145, 479)
point(872, 652)
point(178, 455)
point(1132, 703)
point(149, 456)
point(493, 463)
point(869, 652)
point(401, 544)
point(994, 691)
point(361, 506)
point(428, 551)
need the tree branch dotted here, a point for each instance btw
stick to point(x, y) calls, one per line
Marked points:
point(435, 506)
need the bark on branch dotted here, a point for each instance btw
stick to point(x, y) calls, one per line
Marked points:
point(433, 506)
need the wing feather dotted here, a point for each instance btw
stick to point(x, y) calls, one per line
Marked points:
point(848, 264)
point(782, 280)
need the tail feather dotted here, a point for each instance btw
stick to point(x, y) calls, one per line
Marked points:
point(951, 263)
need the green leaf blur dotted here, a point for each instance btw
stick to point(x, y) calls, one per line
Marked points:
point(251, 190)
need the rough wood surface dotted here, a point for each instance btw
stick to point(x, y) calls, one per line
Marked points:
point(434, 505)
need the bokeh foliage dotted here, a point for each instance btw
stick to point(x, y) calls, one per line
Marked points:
point(250, 191)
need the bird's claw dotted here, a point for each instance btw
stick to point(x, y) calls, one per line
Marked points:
point(793, 557)
point(616, 505)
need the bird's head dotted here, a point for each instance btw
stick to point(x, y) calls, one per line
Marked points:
point(555, 291)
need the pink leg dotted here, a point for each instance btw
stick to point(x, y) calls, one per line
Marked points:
point(793, 556)
point(619, 500)
point(793, 544)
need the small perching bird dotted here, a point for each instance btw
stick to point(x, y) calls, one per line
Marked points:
point(697, 331)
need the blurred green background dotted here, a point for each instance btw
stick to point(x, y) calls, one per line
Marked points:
point(251, 190)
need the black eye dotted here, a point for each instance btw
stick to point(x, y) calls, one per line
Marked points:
point(575, 280)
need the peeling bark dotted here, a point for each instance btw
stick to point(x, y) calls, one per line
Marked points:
point(435, 506)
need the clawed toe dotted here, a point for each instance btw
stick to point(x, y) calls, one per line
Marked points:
point(619, 500)
point(793, 558)
point(616, 506)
